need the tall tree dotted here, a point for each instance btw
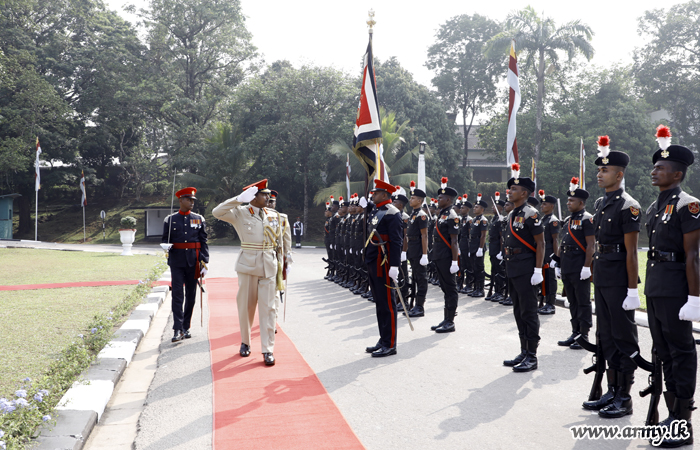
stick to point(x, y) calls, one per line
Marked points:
point(541, 40)
point(464, 77)
point(668, 68)
point(198, 52)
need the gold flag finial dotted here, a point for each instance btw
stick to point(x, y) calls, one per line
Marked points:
point(370, 20)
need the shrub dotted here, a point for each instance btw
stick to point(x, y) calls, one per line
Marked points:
point(128, 222)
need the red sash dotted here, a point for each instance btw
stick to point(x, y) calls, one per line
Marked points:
point(519, 238)
point(574, 237)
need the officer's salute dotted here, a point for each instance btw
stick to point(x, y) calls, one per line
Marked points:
point(524, 250)
point(186, 231)
point(573, 265)
point(672, 285)
point(617, 224)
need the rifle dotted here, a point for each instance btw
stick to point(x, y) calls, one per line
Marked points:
point(655, 388)
point(598, 365)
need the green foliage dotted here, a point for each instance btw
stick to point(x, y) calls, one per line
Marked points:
point(128, 222)
point(43, 394)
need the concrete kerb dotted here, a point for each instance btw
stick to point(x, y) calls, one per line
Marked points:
point(82, 406)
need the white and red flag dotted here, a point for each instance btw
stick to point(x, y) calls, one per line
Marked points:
point(513, 106)
point(582, 169)
point(37, 175)
point(348, 169)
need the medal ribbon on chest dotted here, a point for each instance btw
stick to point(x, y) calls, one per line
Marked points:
point(667, 213)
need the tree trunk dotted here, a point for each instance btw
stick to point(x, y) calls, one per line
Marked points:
point(540, 108)
point(306, 199)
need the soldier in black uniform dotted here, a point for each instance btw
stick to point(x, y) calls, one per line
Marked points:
point(298, 232)
point(498, 268)
point(400, 201)
point(672, 285)
point(617, 223)
point(524, 250)
point(340, 241)
point(432, 270)
point(445, 254)
point(465, 262)
point(573, 264)
point(550, 223)
point(327, 239)
point(186, 231)
point(507, 208)
point(333, 224)
point(383, 257)
point(477, 243)
point(417, 253)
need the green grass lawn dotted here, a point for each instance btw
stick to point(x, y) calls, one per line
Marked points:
point(642, 258)
point(37, 325)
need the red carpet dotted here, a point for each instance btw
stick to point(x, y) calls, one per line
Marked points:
point(258, 407)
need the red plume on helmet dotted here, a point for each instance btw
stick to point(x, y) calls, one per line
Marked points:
point(663, 136)
point(443, 182)
point(497, 195)
point(603, 146)
point(413, 183)
point(574, 184)
point(515, 170)
point(541, 193)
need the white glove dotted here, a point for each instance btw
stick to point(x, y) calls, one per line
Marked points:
point(691, 310)
point(289, 269)
point(552, 264)
point(424, 260)
point(350, 251)
point(248, 195)
point(585, 273)
point(203, 271)
point(480, 253)
point(363, 202)
point(536, 277)
point(557, 272)
point(394, 274)
point(454, 268)
point(403, 256)
point(632, 300)
point(499, 256)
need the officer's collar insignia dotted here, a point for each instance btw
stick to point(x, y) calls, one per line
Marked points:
point(250, 209)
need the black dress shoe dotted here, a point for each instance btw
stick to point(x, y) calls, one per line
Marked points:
point(374, 348)
point(528, 363)
point(435, 327)
point(384, 351)
point(245, 350)
point(417, 311)
point(507, 302)
point(187, 334)
point(547, 310)
point(446, 327)
point(269, 359)
point(575, 346)
point(568, 341)
point(178, 336)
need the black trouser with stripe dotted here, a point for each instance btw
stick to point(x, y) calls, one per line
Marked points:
point(385, 302)
point(616, 328)
point(522, 292)
point(675, 344)
point(578, 292)
point(448, 284)
point(180, 276)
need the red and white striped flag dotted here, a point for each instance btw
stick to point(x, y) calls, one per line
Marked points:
point(534, 174)
point(37, 175)
point(513, 106)
point(82, 188)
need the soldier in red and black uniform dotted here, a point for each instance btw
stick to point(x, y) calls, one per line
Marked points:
point(550, 223)
point(524, 252)
point(477, 244)
point(187, 233)
point(465, 262)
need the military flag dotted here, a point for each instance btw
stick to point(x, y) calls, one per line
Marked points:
point(582, 168)
point(513, 106)
point(82, 188)
point(348, 169)
point(37, 175)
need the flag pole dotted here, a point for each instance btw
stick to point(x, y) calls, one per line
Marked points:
point(83, 224)
point(36, 216)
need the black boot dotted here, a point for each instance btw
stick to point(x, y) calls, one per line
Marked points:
point(584, 335)
point(570, 340)
point(448, 325)
point(682, 410)
point(418, 310)
point(621, 404)
point(515, 361)
point(607, 398)
point(529, 363)
point(507, 302)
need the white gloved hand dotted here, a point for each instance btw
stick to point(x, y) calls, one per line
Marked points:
point(203, 271)
point(350, 251)
point(499, 256)
point(248, 195)
point(363, 202)
point(424, 260)
point(454, 268)
point(585, 273)
point(536, 276)
point(403, 256)
point(480, 253)
point(691, 310)
point(557, 272)
point(552, 264)
point(632, 300)
point(394, 274)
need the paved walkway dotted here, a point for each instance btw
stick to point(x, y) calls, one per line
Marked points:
point(440, 392)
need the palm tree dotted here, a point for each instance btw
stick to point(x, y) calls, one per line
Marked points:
point(541, 40)
point(397, 162)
